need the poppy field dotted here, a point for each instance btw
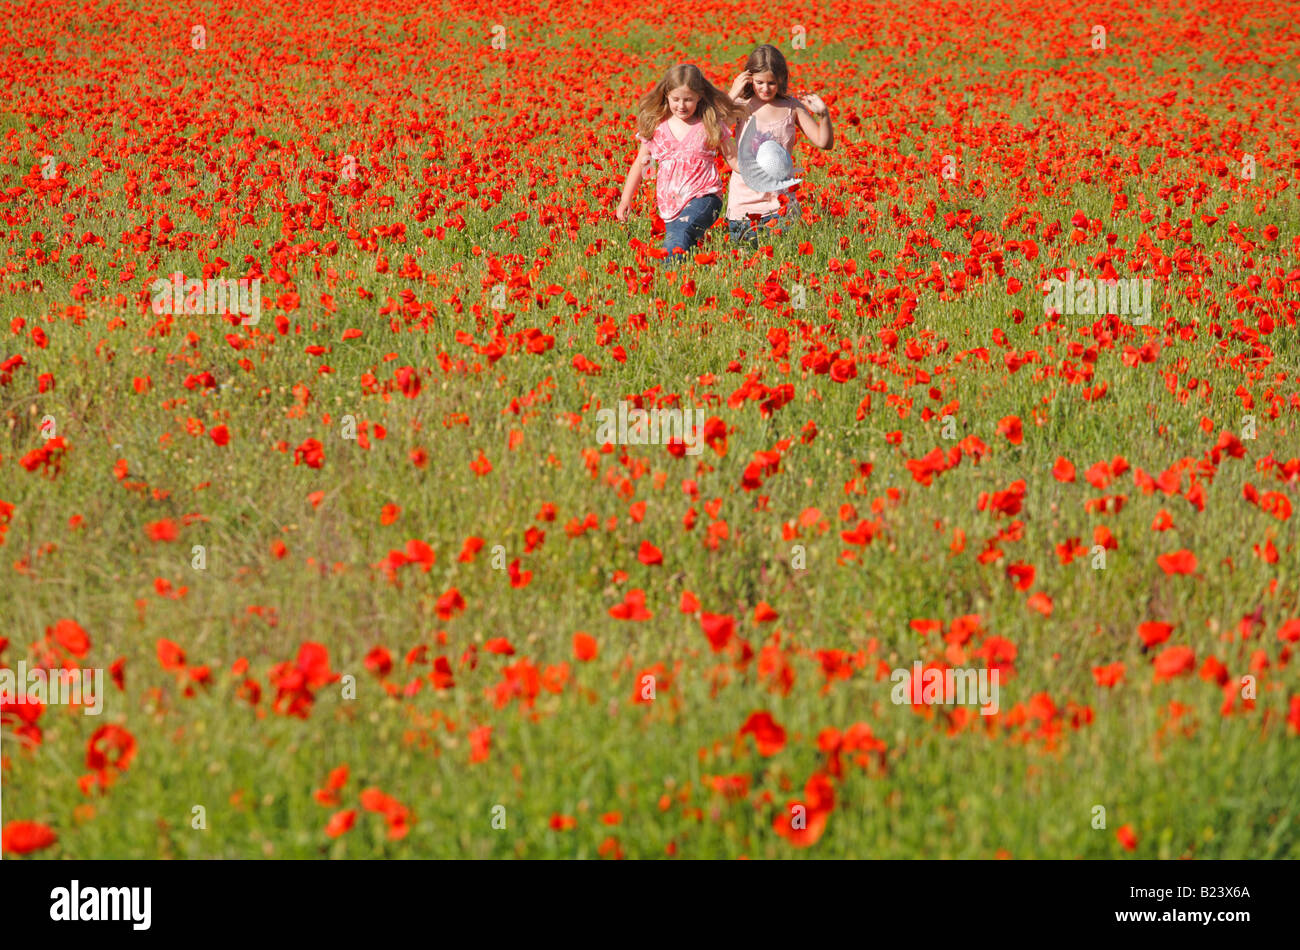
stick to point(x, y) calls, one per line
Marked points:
point(375, 560)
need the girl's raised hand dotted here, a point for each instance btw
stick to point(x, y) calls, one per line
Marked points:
point(738, 86)
point(813, 103)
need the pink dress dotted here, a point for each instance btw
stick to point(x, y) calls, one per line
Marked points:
point(742, 200)
point(687, 168)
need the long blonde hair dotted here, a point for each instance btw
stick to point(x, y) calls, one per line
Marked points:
point(715, 109)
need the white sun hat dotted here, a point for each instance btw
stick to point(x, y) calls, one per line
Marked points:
point(764, 164)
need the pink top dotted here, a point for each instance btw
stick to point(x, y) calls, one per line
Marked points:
point(743, 200)
point(686, 168)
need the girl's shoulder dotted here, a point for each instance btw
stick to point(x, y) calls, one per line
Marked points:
point(792, 105)
point(657, 143)
point(786, 110)
point(658, 131)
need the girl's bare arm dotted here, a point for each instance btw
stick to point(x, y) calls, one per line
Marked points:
point(728, 150)
point(633, 181)
point(815, 120)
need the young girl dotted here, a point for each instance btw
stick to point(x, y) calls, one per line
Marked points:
point(761, 91)
point(683, 123)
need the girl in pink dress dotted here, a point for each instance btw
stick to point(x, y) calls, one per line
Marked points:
point(761, 91)
point(683, 124)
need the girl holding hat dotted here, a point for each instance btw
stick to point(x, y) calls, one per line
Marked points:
point(761, 90)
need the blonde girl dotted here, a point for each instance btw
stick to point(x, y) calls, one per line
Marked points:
point(684, 124)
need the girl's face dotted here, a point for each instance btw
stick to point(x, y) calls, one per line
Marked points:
point(682, 101)
point(765, 85)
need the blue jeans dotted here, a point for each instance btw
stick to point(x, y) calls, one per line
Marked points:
point(746, 231)
point(687, 229)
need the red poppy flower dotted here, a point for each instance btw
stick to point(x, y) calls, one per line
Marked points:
point(110, 746)
point(584, 647)
point(1021, 574)
point(1012, 428)
point(71, 637)
point(164, 530)
point(1125, 835)
point(1179, 562)
point(518, 577)
point(1214, 671)
point(418, 552)
point(170, 656)
point(450, 604)
point(310, 453)
point(767, 732)
point(24, 837)
point(341, 822)
point(632, 608)
point(1109, 675)
point(719, 628)
point(1154, 632)
point(925, 626)
point(328, 795)
point(1098, 475)
point(803, 823)
point(1173, 662)
point(1063, 470)
point(480, 744)
point(396, 815)
point(295, 683)
point(379, 661)
point(441, 678)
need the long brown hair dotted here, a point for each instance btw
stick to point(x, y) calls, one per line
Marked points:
point(715, 108)
point(767, 58)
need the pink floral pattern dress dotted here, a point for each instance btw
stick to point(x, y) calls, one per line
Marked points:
point(687, 168)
